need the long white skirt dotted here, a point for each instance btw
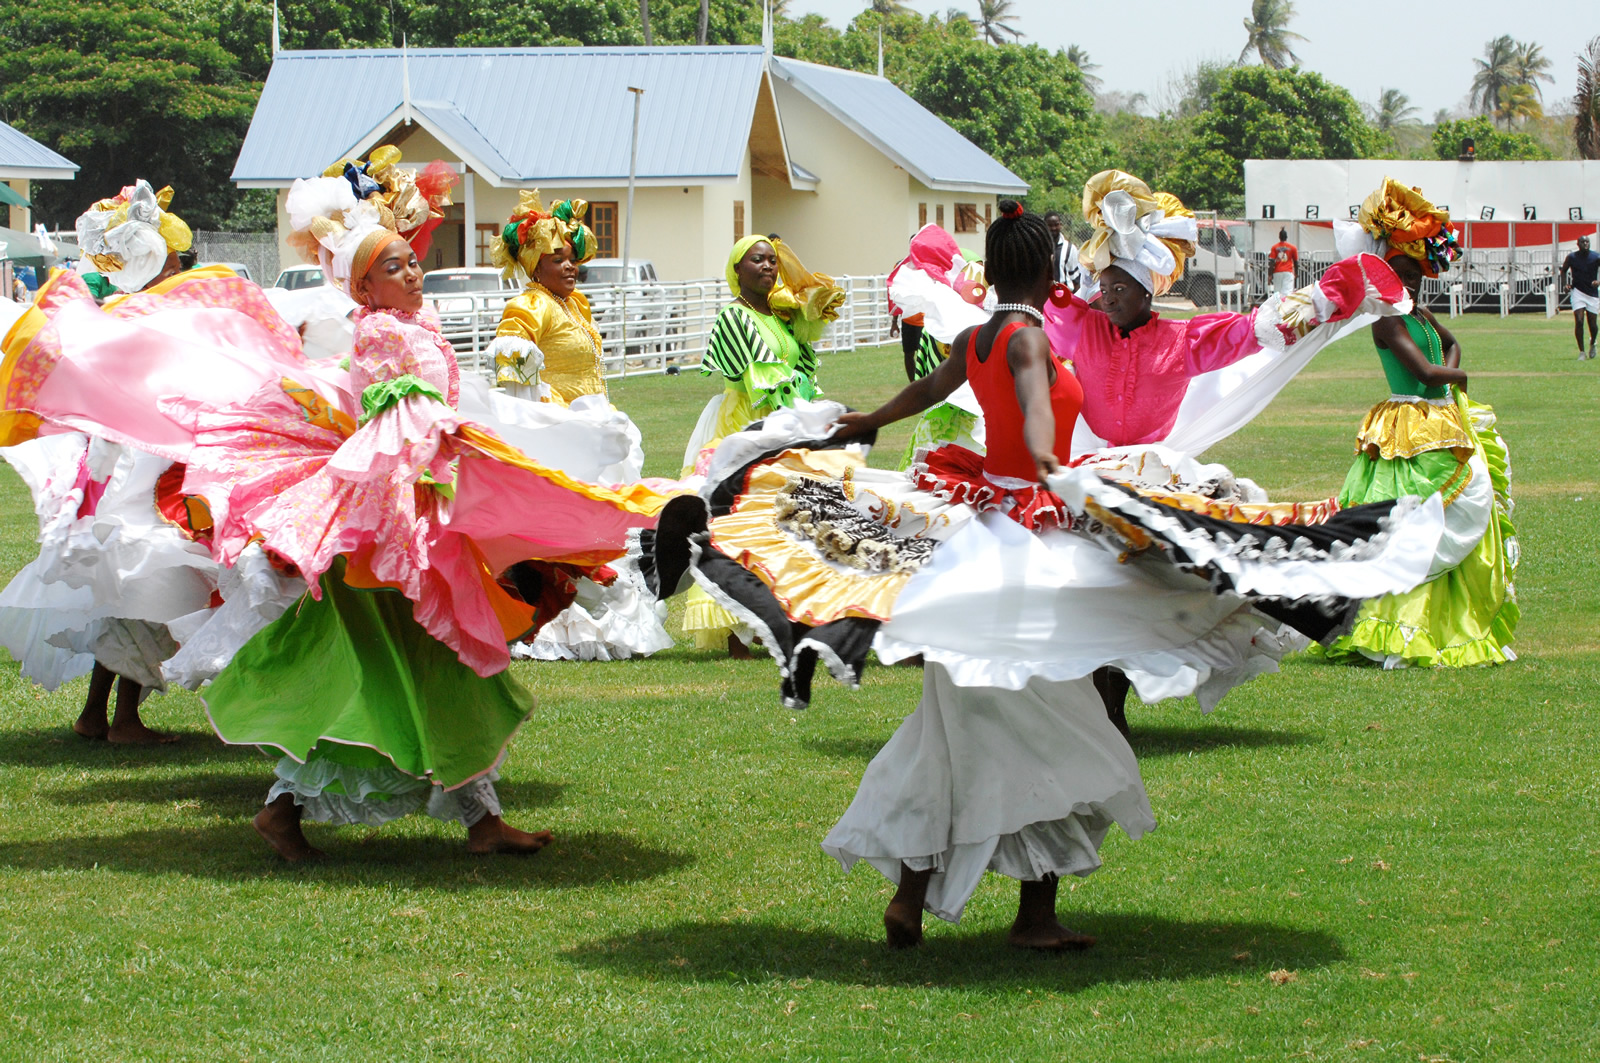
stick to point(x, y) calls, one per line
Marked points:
point(1022, 782)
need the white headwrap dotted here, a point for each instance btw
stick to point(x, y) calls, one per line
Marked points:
point(1135, 239)
point(129, 236)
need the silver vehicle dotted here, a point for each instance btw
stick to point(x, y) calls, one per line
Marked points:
point(469, 301)
point(296, 277)
point(632, 292)
point(238, 267)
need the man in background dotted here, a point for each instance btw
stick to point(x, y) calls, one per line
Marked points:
point(1064, 267)
point(1582, 266)
point(1284, 257)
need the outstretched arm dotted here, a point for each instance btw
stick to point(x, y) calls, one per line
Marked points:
point(915, 397)
point(1029, 357)
point(1391, 334)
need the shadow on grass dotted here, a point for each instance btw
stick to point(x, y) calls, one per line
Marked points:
point(52, 747)
point(862, 749)
point(1132, 948)
point(357, 857)
point(241, 793)
point(1176, 741)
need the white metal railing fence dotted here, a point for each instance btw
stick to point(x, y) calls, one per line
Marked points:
point(654, 327)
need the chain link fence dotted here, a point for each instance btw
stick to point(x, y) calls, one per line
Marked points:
point(257, 252)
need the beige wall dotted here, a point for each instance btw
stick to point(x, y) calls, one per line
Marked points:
point(857, 222)
point(865, 208)
point(19, 219)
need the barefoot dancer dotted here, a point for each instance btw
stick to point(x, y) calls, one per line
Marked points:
point(1015, 579)
point(112, 573)
point(385, 688)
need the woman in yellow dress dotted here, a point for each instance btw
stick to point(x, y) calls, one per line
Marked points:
point(547, 346)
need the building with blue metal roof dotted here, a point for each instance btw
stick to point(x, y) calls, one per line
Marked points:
point(843, 165)
point(23, 160)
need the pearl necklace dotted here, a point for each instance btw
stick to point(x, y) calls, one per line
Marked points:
point(1021, 308)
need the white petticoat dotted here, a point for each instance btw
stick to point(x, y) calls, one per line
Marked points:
point(374, 796)
point(1025, 783)
point(105, 585)
point(604, 624)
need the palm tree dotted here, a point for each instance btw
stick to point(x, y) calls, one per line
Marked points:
point(1586, 126)
point(1496, 73)
point(1394, 111)
point(1079, 57)
point(954, 15)
point(992, 18)
point(1518, 103)
point(888, 7)
point(1531, 66)
point(1268, 34)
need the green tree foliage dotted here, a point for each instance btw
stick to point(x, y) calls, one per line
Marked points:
point(1261, 113)
point(1496, 72)
point(547, 23)
point(1492, 144)
point(125, 89)
point(1025, 106)
point(1586, 102)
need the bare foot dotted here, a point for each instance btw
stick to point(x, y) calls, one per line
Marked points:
point(902, 920)
point(902, 927)
point(491, 834)
point(135, 733)
point(737, 649)
point(91, 729)
point(279, 824)
point(1049, 936)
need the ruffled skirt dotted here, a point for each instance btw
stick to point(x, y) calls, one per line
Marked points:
point(826, 559)
point(1025, 783)
point(353, 675)
point(1467, 612)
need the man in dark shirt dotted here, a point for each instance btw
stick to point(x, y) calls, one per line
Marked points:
point(1583, 265)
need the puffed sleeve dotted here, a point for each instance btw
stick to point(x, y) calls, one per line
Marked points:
point(515, 348)
point(1217, 340)
point(733, 345)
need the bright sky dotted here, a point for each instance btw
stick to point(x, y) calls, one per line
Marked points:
point(1139, 45)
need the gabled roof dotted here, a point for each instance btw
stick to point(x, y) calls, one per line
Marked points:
point(23, 157)
point(518, 116)
point(917, 140)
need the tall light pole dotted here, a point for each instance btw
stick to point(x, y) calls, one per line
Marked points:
point(633, 173)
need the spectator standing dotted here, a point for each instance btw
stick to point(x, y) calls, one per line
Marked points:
point(1064, 266)
point(1285, 257)
point(1582, 265)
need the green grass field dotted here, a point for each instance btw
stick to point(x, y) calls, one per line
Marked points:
point(1350, 864)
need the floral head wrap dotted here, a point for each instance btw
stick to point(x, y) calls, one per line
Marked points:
point(1397, 220)
point(344, 219)
point(1149, 235)
point(806, 300)
point(533, 232)
point(129, 236)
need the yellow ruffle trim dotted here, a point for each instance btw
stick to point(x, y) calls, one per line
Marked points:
point(810, 590)
point(1395, 429)
point(1270, 514)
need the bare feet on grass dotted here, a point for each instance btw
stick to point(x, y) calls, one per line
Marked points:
point(279, 824)
point(135, 733)
point(93, 722)
point(902, 920)
point(1036, 926)
point(491, 834)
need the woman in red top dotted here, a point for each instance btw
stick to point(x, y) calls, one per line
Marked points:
point(1015, 577)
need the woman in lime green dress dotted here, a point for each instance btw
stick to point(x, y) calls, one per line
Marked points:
point(1429, 437)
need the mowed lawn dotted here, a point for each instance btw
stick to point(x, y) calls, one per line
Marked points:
point(1350, 864)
